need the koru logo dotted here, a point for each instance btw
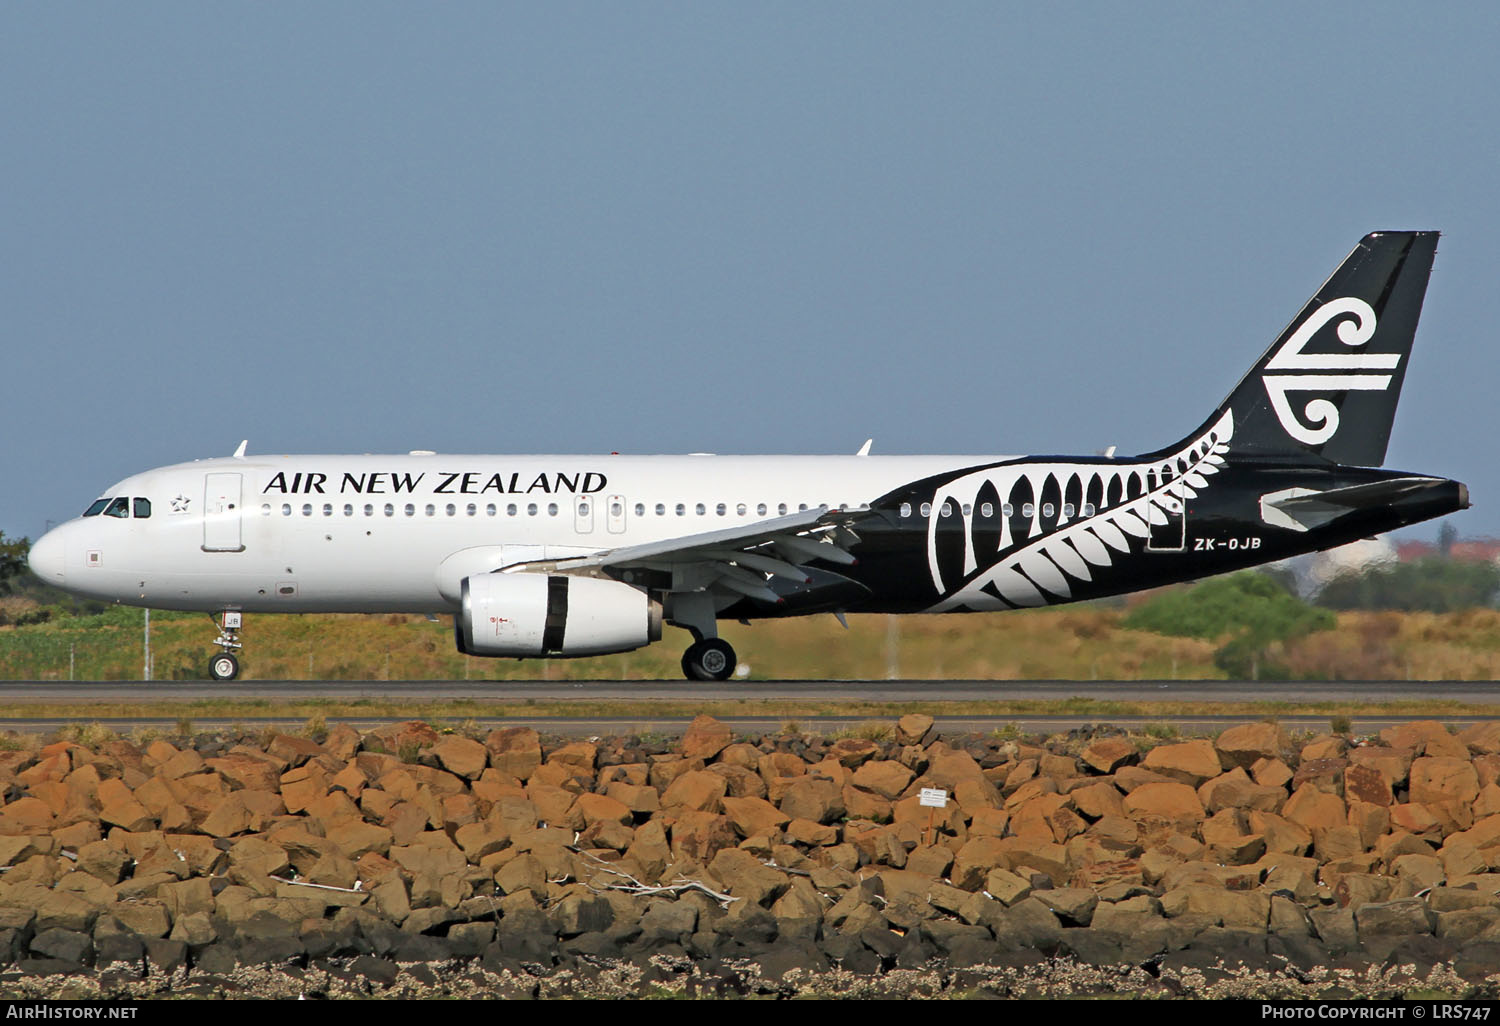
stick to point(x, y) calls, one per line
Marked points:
point(1338, 372)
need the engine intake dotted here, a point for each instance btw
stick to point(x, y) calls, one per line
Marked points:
point(538, 615)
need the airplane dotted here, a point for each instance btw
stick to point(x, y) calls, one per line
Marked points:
point(540, 556)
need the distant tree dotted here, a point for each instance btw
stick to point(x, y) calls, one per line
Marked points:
point(1434, 585)
point(13, 554)
point(1249, 611)
point(1447, 535)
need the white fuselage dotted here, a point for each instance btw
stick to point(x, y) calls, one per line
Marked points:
point(397, 533)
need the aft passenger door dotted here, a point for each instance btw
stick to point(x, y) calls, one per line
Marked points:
point(221, 513)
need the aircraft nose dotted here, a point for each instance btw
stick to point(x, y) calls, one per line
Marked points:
point(47, 558)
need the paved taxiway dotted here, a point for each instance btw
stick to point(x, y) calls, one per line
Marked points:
point(926, 696)
point(1340, 692)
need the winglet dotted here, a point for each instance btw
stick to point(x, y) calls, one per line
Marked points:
point(864, 450)
point(239, 453)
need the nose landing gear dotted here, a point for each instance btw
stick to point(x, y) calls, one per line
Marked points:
point(225, 666)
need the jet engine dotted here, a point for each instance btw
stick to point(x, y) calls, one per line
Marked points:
point(524, 614)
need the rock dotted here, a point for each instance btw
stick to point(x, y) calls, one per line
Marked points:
point(514, 751)
point(1191, 762)
point(1248, 743)
point(697, 837)
point(814, 797)
point(695, 791)
point(1443, 780)
point(1073, 906)
point(1098, 800)
point(853, 752)
point(705, 738)
point(1106, 755)
point(1173, 803)
point(883, 777)
point(1324, 774)
point(1366, 783)
point(461, 757)
point(1236, 909)
point(1271, 773)
point(746, 877)
point(1033, 925)
point(753, 816)
point(167, 956)
point(1314, 810)
point(914, 729)
point(1394, 918)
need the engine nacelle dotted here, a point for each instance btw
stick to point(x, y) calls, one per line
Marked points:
point(525, 614)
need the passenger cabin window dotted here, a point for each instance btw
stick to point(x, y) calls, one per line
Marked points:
point(471, 509)
point(328, 509)
point(411, 509)
point(681, 509)
point(661, 509)
point(1068, 510)
point(431, 509)
point(719, 509)
point(640, 509)
point(286, 509)
point(1028, 509)
point(927, 509)
point(906, 509)
point(265, 509)
point(142, 508)
point(96, 507)
point(781, 509)
point(117, 508)
point(986, 509)
point(1088, 509)
point(700, 509)
point(307, 509)
point(552, 509)
point(760, 510)
point(348, 509)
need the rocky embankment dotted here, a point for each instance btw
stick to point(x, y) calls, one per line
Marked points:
point(403, 859)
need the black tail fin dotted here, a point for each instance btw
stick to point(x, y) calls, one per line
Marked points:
point(1328, 386)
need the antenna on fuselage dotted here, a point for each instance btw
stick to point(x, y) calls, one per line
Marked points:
point(864, 450)
point(239, 453)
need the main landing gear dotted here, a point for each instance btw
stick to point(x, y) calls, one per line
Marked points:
point(709, 659)
point(225, 666)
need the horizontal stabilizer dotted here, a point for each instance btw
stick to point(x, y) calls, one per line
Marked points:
point(1302, 509)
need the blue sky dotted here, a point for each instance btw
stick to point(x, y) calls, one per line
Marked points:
point(584, 227)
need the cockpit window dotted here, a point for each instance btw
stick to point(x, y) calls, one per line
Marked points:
point(142, 508)
point(96, 508)
point(117, 508)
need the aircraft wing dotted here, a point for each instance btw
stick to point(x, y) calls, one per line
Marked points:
point(737, 561)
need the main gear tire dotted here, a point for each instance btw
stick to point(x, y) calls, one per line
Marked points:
point(709, 659)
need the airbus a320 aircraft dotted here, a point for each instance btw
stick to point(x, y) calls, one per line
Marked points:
point(573, 556)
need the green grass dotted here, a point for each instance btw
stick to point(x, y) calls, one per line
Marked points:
point(1085, 642)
